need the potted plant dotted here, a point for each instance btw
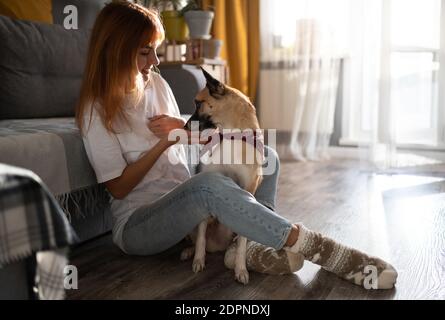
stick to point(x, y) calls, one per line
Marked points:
point(174, 23)
point(199, 21)
point(212, 48)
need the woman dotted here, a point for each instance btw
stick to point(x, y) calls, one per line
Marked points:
point(156, 203)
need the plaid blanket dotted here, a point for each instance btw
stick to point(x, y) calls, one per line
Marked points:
point(31, 221)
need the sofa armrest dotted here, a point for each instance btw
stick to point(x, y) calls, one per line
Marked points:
point(185, 81)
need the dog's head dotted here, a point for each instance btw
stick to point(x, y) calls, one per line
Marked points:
point(223, 107)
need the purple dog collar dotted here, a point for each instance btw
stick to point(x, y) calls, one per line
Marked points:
point(249, 137)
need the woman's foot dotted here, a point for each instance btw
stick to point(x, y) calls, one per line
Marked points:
point(348, 263)
point(263, 259)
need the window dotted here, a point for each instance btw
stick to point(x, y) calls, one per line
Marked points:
point(415, 44)
point(393, 78)
point(404, 101)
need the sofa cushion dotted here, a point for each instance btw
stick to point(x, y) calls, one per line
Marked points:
point(41, 67)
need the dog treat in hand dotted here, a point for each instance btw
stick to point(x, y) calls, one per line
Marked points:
point(264, 259)
point(348, 263)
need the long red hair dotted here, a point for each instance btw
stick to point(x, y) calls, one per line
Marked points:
point(111, 71)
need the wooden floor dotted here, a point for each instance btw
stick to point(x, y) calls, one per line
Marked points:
point(400, 218)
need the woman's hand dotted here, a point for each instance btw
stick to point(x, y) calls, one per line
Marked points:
point(162, 125)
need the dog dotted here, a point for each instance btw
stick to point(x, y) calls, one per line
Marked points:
point(238, 155)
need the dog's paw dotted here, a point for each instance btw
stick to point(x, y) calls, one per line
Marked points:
point(187, 253)
point(198, 265)
point(242, 276)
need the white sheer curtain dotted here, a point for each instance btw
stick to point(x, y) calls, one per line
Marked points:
point(391, 77)
point(300, 51)
point(390, 55)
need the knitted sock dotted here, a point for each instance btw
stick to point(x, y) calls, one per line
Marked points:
point(263, 259)
point(348, 263)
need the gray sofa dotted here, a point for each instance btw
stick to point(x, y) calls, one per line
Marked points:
point(41, 66)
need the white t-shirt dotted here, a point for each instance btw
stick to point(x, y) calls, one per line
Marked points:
point(110, 153)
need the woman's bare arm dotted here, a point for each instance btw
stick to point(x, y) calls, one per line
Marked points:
point(160, 125)
point(121, 186)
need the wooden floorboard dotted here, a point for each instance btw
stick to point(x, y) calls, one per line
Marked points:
point(400, 218)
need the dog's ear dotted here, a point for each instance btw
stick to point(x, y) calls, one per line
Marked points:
point(214, 86)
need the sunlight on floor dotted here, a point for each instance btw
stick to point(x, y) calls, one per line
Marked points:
point(409, 202)
point(386, 159)
point(411, 160)
point(384, 183)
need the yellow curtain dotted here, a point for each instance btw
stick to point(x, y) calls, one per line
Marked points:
point(236, 22)
point(33, 10)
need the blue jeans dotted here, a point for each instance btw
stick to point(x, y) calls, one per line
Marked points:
point(160, 225)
